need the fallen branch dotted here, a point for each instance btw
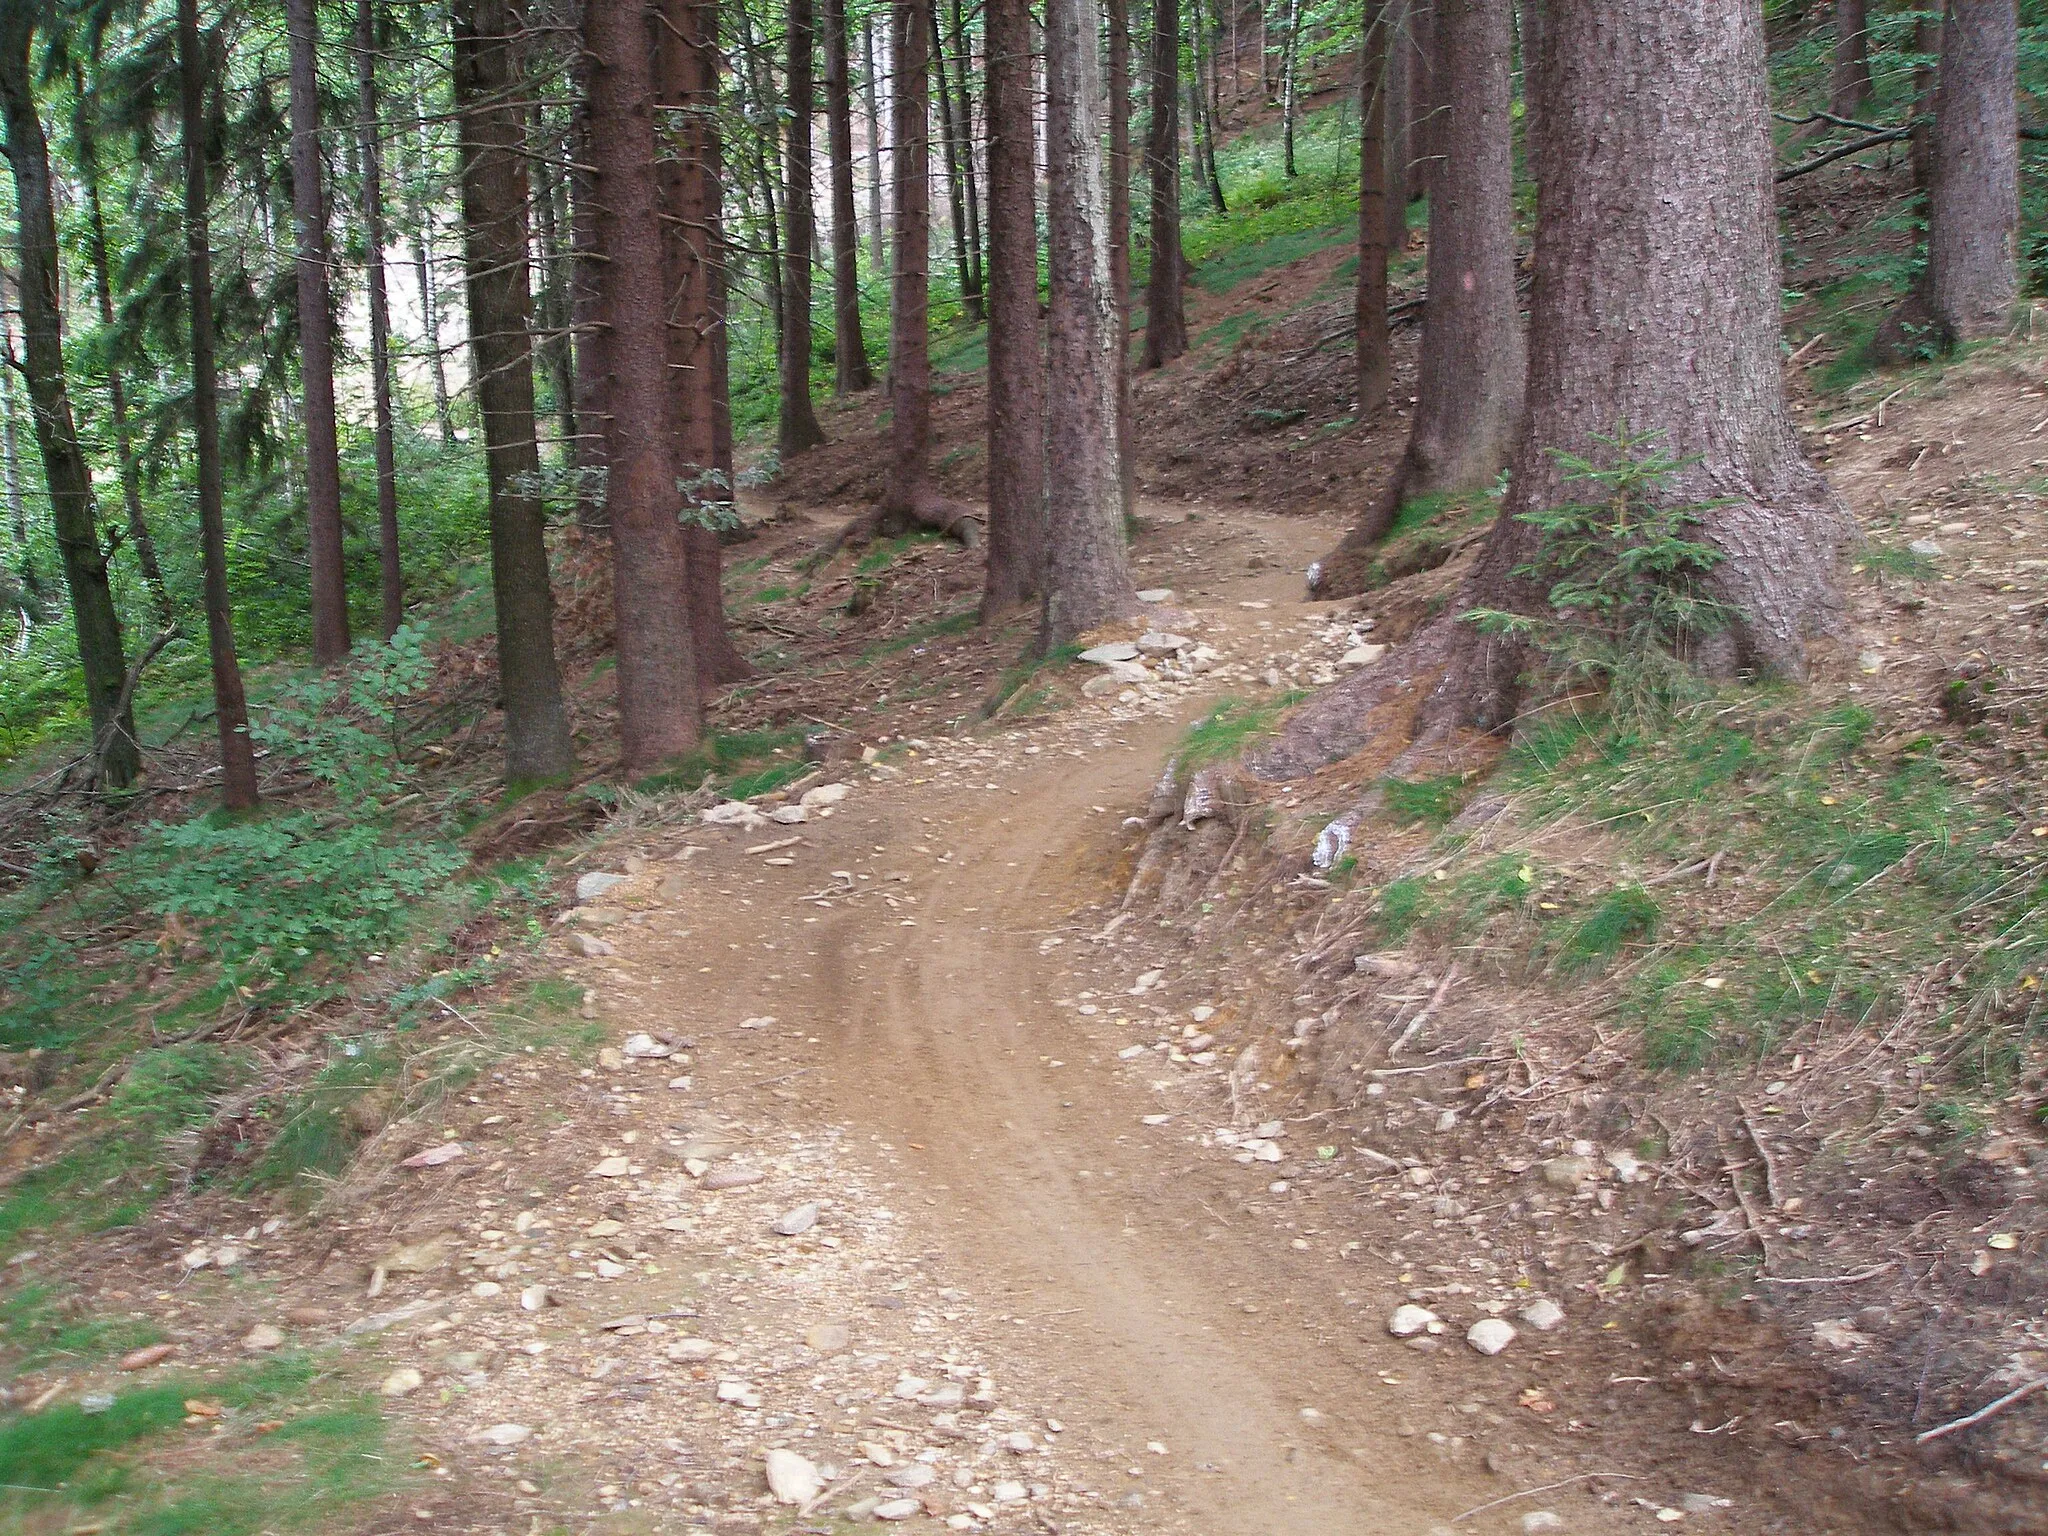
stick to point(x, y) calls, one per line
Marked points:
point(1843, 151)
point(1422, 1018)
point(1530, 1493)
point(1862, 1274)
point(1770, 1163)
point(1956, 1426)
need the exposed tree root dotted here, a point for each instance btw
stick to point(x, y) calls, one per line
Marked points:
point(921, 508)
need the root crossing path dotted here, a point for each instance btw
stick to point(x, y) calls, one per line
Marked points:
point(908, 1014)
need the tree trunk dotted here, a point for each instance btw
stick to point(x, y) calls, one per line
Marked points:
point(1088, 574)
point(1926, 85)
point(423, 262)
point(1425, 97)
point(230, 703)
point(392, 576)
point(1973, 205)
point(1166, 320)
point(10, 434)
point(849, 349)
point(908, 496)
point(553, 358)
point(660, 716)
point(1016, 348)
point(316, 339)
point(962, 67)
point(64, 468)
point(797, 429)
point(1288, 58)
point(878, 234)
point(1376, 71)
point(1206, 110)
point(86, 144)
point(1657, 239)
point(1850, 88)
point(489, 92)
point(1529, 16)
point(963, 265)
point(686, 62)
point(593, 410)
point(1117, 15)
point(1399, 112)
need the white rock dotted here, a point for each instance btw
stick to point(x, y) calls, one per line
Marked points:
point(263, 1336)
point(1009, 1493)
point(1543, 1314)
point(1925, 547)
point(534, 1298)
point(733, 813)
point(740, 1392)
point(612, 1168)
point(897, 1509)
point(819, 796)
point(1156, 595)
point(916, 1474)
point(1127, 672)
point(909, 1387)
point(790, 815)
point(402, 1382)
point(792, 1478)
point(644, 1048)
point(1115, 650)
point(1361, 655)
point(798, 1220)
point(1018, 1442)
point(594, 884)
point(504, 1434)
point(1541, 1520)
point(1490, 1335)
point(590, 946)
point(1161, 642)
point(1409, 1320)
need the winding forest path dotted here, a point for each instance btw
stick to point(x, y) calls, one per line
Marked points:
point(911, 1013)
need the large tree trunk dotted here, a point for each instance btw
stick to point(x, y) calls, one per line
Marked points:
point(85, 141)
point(489, 92)
point(1849, 89)
point(1973, 205)
point(963, 53)
point(391, 574)
point(1117, 14)
point(554, 359)
point(797, 429)
point(1166, 320)
point(1657, 244)
point(878, 233)
point(1926, 84)
point(64, 468)
point(908, 497)
point(1016, 348)
point(1471, 368)
point(849, 349)
point(1288, 62)
point(660, 716)
point(686, 62)
point(1088, 573)
point(316, 339)
point(1377, 68)
point(230, 703)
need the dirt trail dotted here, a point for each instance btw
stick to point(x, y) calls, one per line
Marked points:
point(922, 960)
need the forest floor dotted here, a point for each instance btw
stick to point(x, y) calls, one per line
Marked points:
point(909, 1126)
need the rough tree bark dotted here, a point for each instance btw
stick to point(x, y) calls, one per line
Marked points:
point(1850, 86)
point(1166, 320)
point(686, 62)
point(65, 471)
point(230, 703)
point(1377, 68)
point(963, 57)
point(660, 715)
point(1926, 83)
point(849, 348)
point(1016, 348)
point(1088, 574)
point(391, 574)
point(1424, 98)
point(1973, 204)
point(1471, 365)
point(797, 430)
point(1657, 238)
point(490, 119)
point(1117, 18)
point(316, 338)
point(909, 497)
point(85, 142)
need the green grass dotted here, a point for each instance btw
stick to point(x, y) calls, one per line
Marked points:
point(1022, 673)
point(961, 622)
point(743, 763)
point(1434, 801)
point(1229, 728)
point(1620, 918)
